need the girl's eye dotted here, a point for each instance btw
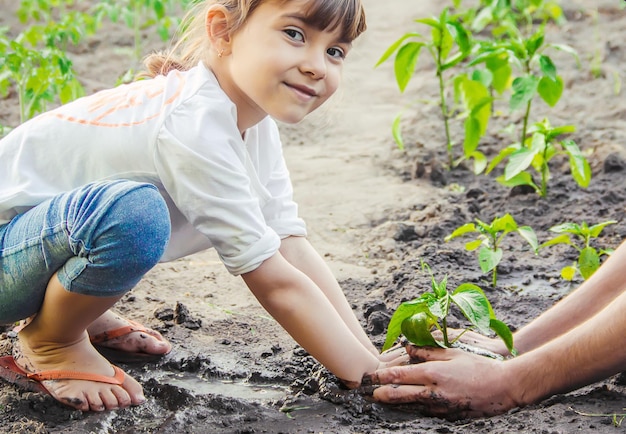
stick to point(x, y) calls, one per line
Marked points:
point(295, 34)
point(336, 52)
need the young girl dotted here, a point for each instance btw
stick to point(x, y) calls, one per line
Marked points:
point(95, 193)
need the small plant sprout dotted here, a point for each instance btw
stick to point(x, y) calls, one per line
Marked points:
point(417, 319)
point(141, 14)
point(39, 72)
point(588, 256)
point(490, 238)
point(450, 43)
point(543, 147)
point(537, 72)
point(524, 13)
point(616, 418)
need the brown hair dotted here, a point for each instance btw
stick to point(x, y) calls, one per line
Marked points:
point(194, 42)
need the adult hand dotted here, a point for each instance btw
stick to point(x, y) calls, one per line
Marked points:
point(448, 383)
point(475, 339)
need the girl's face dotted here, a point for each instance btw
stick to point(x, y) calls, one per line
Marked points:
point(281, 66)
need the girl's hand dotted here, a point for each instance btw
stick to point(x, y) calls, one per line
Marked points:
point(394, 356)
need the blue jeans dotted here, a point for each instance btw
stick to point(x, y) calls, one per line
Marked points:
point(100, 239)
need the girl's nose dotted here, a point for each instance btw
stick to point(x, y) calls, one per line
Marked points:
point(314, 64)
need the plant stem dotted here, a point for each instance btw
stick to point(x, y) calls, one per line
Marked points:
point(137, 32)
point(544, 174)
point(525, 125)
point(444, 108)
point(444, 330)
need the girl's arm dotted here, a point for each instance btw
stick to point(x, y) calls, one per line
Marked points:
point(299, 252)
point(306, 313)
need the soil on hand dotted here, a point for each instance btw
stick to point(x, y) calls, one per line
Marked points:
point(375, 213)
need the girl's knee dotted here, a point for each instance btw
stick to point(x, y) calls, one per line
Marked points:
point(141, 224)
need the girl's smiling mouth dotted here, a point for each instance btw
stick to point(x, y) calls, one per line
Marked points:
point(303, 92)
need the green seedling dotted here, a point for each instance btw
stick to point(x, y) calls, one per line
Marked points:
point(489, 240)
point(417, 319)
point(616, 418)
point(35, 62)
point(538, 73)
point(588, 256)
point(524, 13)
point(477, 104)
point(449, 44)
point(543, 147)
point(141, 14)
point(40, 72)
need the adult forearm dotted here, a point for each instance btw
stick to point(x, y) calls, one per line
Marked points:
point(587, 353)
point(590, 298)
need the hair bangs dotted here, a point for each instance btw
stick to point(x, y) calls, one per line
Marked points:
point(347, 15)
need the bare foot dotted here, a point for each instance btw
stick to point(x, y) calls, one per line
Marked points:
point(149, 341)
point(34, 357)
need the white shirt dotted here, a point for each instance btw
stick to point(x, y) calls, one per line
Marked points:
point(179, 133)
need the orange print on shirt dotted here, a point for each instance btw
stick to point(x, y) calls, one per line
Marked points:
point(117, 107)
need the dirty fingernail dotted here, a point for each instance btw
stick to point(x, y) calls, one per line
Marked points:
point(368, 390)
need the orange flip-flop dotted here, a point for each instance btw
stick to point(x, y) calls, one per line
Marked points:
point(10, 372)
point(122, 356)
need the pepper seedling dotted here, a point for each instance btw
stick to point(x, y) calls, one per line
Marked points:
point(489, 239)
point(588, 256)
point(418, 318)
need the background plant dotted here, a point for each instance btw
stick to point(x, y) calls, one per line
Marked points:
point(141, 14)
point(490, 238)
point(524, 13)
point(40, 72)
point(417, 319)
point(448, 45)
point(543, 147)
point(537, 75)
point(588, 256)
point(35, 62)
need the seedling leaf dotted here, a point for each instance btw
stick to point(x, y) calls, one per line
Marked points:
point(396, 131)
point(474, 305)
point(581, 171)
point(518, 162)
point(595, 230)
point(568, 273)
point(395, 46)
point(506, 223)
point(530, 236)
point(470, 246)
point(489, 259)
point(550, 90)
point(524, 88)
point(405, 62)
point(462, 230)
point(588, 262)
point(503, 331)
point(523, 178)
point(547, 67)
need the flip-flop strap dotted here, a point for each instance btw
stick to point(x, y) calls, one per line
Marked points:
point(117, 379)
point(118, 332)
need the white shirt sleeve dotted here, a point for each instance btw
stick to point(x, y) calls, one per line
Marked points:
point(202, 162)
point(280, 211)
